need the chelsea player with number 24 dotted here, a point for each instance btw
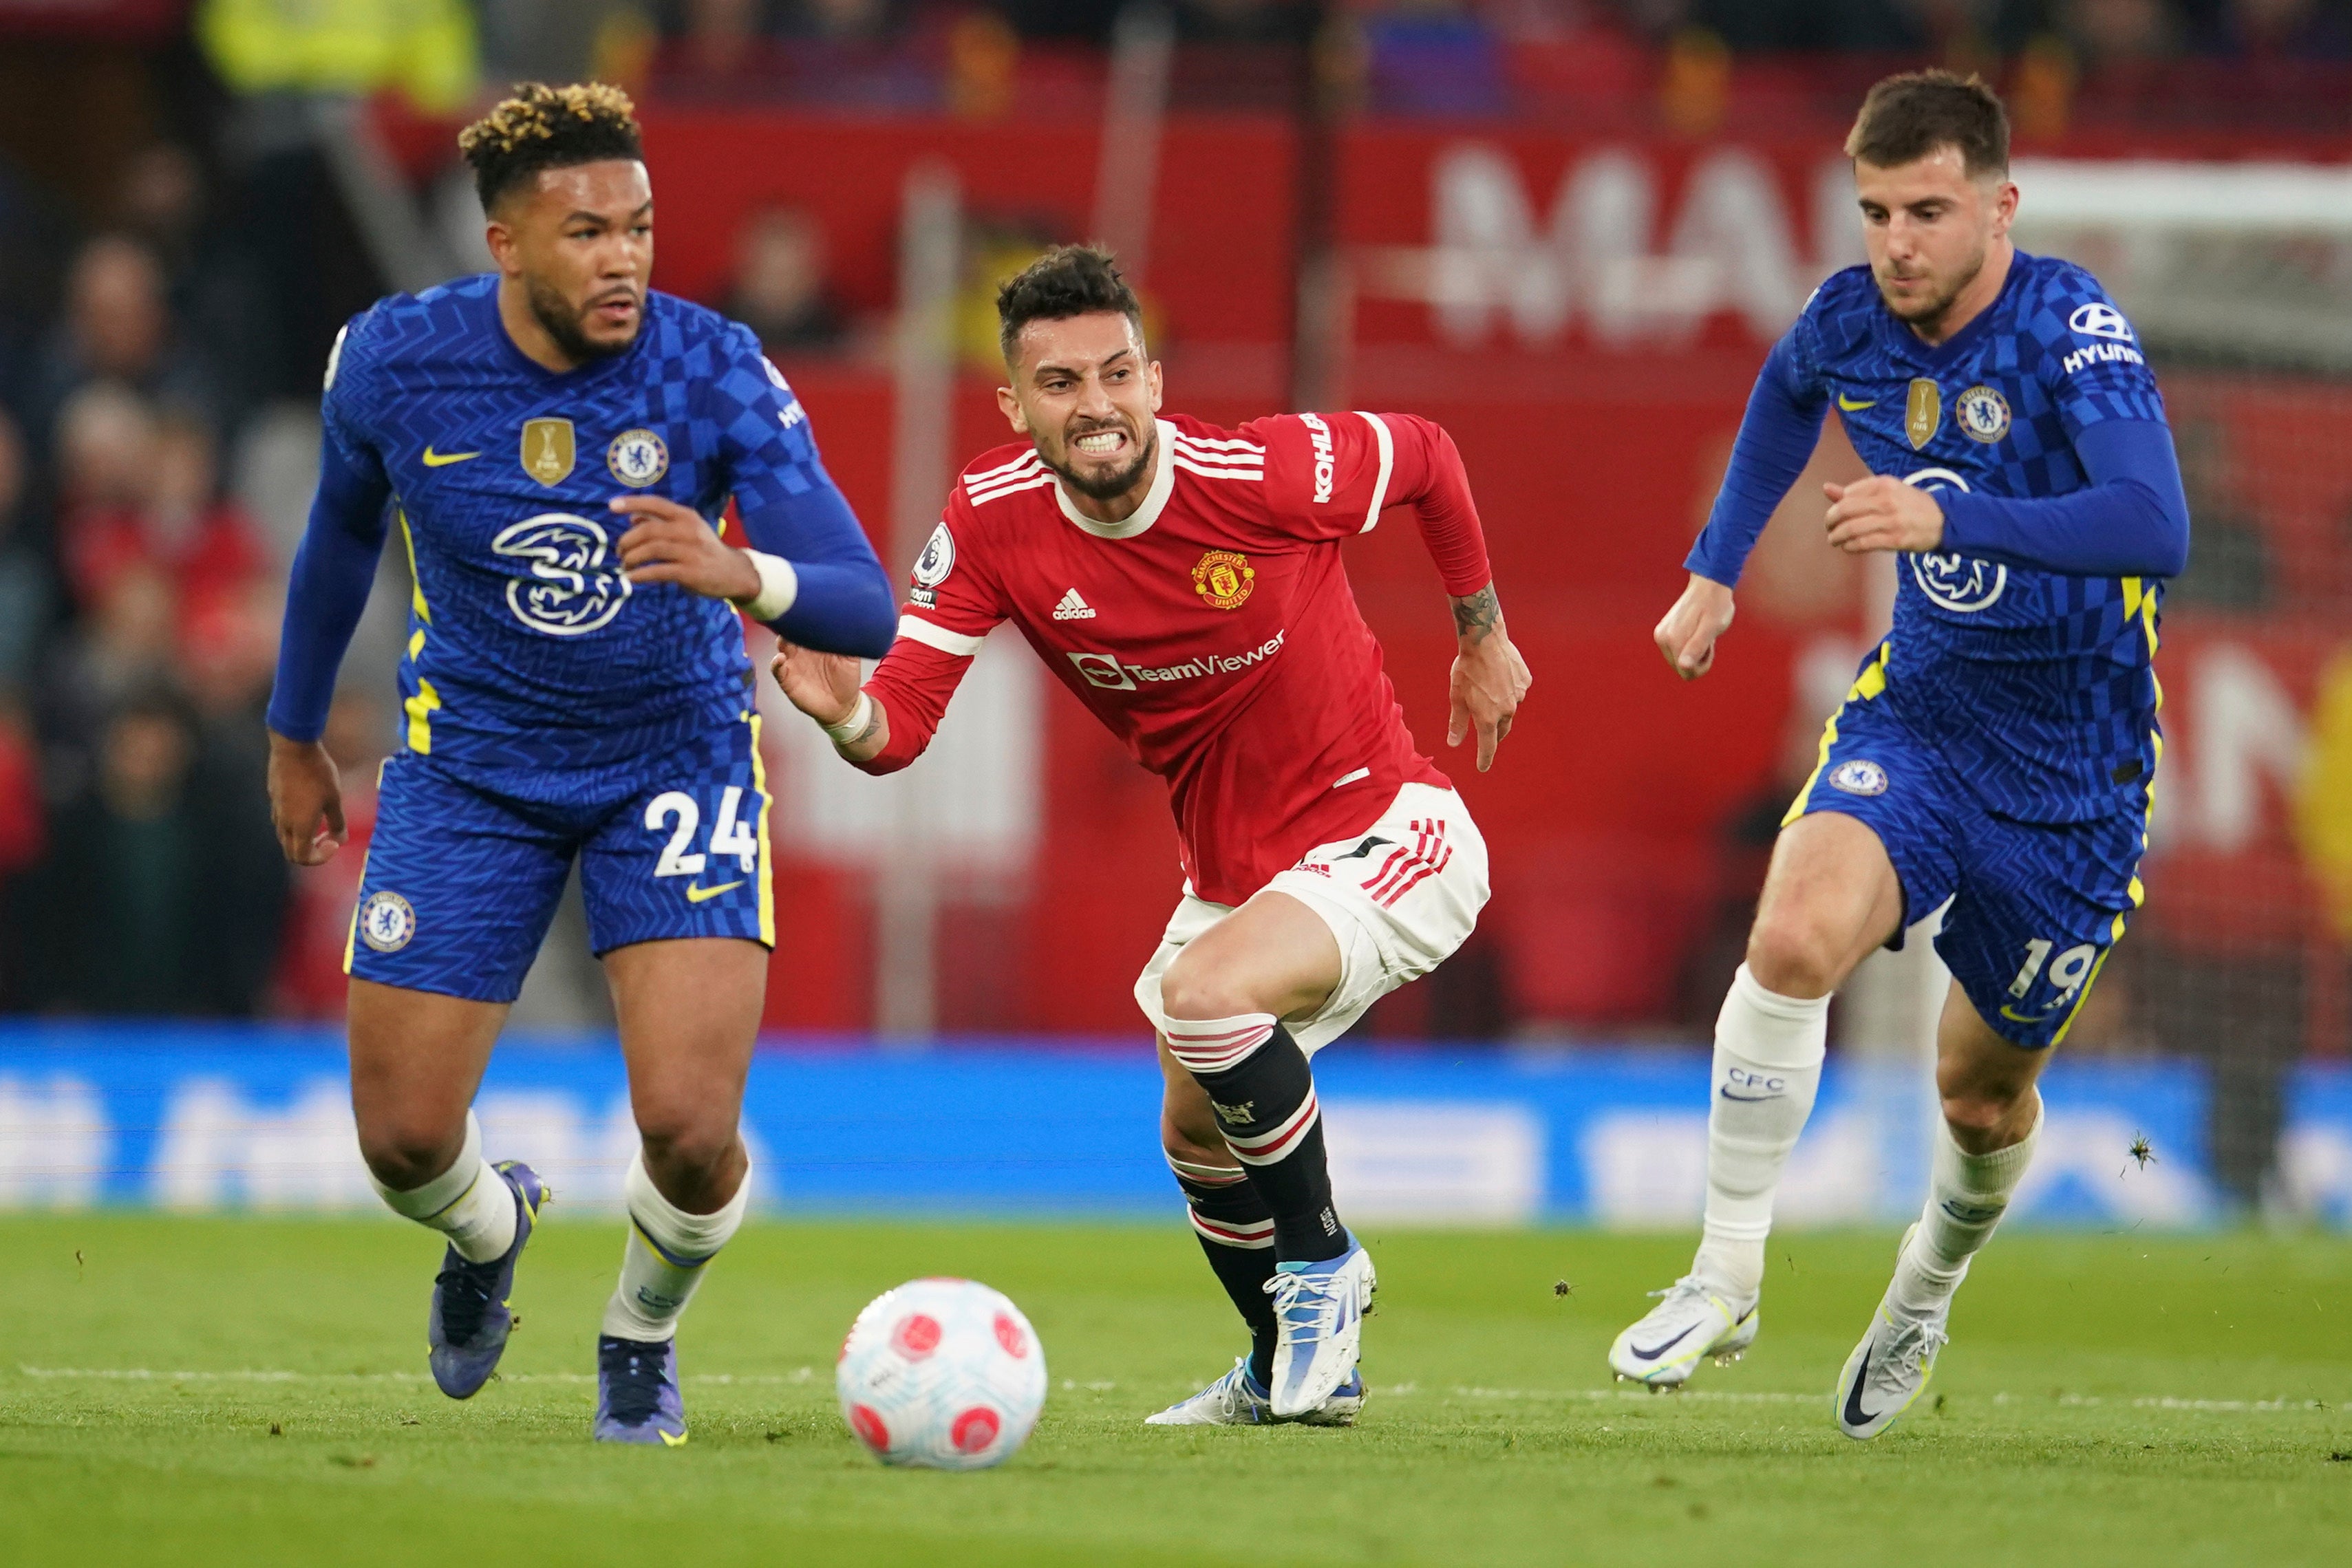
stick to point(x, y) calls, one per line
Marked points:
point(1997, 750)
point(548, 440)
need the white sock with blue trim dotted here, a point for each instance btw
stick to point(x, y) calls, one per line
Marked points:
point(1767, 1067)
point(667, 1252)
point(1967, 1196)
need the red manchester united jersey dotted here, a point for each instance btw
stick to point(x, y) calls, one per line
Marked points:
point(1213, 631)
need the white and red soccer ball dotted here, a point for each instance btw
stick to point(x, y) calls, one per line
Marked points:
point(942, 1374)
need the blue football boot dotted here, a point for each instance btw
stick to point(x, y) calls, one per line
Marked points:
point(637, 1399)
point(470, 1321)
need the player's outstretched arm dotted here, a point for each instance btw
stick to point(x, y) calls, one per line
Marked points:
point(825, 687)
point(1688, 635)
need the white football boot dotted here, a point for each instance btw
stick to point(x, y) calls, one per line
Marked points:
point(1318, 1309)
point(1689, 1323)
point(1237, 1400)
point(1891, 1366)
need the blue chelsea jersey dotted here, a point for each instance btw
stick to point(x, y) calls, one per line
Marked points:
point(528, 647)
point(2038, 687)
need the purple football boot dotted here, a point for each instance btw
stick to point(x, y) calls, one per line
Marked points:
point(469, 1324)
point(637, 1399)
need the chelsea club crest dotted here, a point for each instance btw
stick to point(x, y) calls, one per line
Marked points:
point(1982, 414)
point(638, 457)
point(1859, 778)
point(386, 922)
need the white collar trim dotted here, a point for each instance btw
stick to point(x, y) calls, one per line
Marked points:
point(1164, 483)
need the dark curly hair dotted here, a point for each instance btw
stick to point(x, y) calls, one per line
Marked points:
point(1904, 118)
point(1067, 280)
point(542, 127)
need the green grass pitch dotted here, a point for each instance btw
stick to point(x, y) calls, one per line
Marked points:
point(252, 1391)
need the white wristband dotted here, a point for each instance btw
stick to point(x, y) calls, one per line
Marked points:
point(850, 728)
point(779, 585)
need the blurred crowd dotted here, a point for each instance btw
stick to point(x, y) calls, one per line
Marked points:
point(139, 594)
point(2099, 27)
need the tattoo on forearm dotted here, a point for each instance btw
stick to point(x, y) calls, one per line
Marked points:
point(873, 726)
point(1478, 614)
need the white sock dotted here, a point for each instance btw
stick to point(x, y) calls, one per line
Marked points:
point(1767, 1067)
point(470, 1202)
point(664, 1259)
point(1967, 1196)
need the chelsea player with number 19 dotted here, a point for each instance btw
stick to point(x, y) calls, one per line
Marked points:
point(548, 440)
point(1997, 750)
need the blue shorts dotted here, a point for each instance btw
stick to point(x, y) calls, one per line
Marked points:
point(2036, 906)
point(467, 863)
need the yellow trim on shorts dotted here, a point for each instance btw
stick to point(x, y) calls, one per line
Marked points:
point(1866, 685)
point(2138, 891)
point(767, 881)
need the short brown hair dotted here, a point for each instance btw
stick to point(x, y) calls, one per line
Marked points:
point(1905, 117)
point(1067, 280)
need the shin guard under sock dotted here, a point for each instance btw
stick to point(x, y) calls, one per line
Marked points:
point(1237, 1233)
point(1259, 1084)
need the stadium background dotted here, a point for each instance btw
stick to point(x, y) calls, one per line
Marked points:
point(1565, 228)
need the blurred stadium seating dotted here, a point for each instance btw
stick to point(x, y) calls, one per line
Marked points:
point(1566, 228)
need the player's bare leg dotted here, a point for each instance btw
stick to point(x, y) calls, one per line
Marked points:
point(689, 1010)
point(416, 1059)
point(1993, 1119)
point(1832, 896)
point(1223, 1002)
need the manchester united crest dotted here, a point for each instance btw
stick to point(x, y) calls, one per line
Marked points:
point(1224, 579)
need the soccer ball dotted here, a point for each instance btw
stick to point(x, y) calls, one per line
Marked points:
point(942, 1374)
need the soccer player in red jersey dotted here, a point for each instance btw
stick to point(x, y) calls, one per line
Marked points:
point(1185, 583)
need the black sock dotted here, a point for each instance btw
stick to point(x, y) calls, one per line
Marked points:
point(1236, 1232)
point(1266, 1106)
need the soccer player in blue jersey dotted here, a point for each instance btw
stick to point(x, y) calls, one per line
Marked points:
point(551, 442)
point(1997, 750)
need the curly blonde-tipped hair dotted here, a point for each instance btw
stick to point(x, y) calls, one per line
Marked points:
point(542, 127)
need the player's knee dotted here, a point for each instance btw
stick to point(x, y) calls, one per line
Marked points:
point(405, 1153)
point(1977, 1107)
point(688, 1144)
point(1193, 990)
point(1794, 955)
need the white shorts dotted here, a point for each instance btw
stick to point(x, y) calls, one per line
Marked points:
point(1399, 896)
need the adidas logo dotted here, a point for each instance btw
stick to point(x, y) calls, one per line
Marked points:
point(1073, 607)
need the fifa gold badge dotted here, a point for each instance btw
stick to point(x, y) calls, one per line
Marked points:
point(547, 450)
point(1223, 578)
point(1922, 412)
